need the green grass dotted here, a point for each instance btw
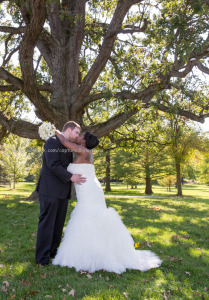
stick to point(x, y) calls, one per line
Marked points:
point(20, 188)
point(174, 228)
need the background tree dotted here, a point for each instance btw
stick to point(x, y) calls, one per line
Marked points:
point(184, 138)
point(14, 158)
point(204, 176)
point(34, 152)
point(126, 167)
point(168, 181)
point(75, 55)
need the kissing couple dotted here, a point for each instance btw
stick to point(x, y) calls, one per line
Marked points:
point(95, 238)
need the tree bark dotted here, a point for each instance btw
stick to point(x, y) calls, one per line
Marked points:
point(148, 188)
point(33, 196)
point(178, 179)
point(107, 179)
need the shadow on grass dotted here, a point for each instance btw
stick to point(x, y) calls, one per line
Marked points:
point(176, 232)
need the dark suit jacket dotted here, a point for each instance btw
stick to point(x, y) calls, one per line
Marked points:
point(54, 179)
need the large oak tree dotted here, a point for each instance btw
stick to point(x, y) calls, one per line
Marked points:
point(74, 55)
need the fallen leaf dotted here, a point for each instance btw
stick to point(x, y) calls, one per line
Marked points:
point(33, 293)
point(72, 293)
point(187, 273)
point(89, 276)
point(25, 283)
point(6, 283)
point(3, 289)
point(175, 236)
point(125, 294)
point(148, 244)
point(112, 286)
point(136, 245)
point(43, 275)
point(175, 259)
point(155, 208)
point(67, 285)
point(48, 296)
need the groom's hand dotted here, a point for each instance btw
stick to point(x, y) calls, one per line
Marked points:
point(77, 178)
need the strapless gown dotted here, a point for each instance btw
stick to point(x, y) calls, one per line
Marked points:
point(95, 238)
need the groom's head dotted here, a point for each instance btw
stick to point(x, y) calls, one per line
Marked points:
point(71, 131)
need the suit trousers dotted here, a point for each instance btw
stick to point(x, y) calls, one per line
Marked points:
point(51, 222)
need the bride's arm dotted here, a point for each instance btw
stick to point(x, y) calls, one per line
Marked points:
point(70, 145)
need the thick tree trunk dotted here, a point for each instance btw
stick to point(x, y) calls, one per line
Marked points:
point(107, 179)
point(178, 179)
point(33, 196)
point(148, 188)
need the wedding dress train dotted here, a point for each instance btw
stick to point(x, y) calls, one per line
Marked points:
point(95, 237)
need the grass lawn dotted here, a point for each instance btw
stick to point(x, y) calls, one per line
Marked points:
point(174, 228)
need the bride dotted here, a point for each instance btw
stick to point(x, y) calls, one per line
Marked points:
point(95, 237)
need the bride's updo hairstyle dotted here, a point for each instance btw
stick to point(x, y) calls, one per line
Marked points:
point(91, 140)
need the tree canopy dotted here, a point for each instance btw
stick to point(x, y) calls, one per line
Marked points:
point(68, 57)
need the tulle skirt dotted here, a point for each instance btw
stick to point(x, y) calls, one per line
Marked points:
point(96, 239)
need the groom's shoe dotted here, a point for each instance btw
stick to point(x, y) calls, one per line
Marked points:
point(42, 265)
point(52, 255)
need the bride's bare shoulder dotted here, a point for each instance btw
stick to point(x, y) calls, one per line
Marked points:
point(86, 157)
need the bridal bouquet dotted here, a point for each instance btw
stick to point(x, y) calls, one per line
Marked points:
point(46, 130)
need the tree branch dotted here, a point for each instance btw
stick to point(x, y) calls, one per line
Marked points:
point(132, 29)
point(53, 16)
point(3, 133)
point(6, 60)
point(187, 68)
point(19, 127)
point(27, 46)
point(13, 30)
point(76, 34)
point(46, 87)
point(181, 112)
point(13, 80)
point(144, 95)
point(201, 67)
point(46, 44)
point(105, 51)
point(111, 124)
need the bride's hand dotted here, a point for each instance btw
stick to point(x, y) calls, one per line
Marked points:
point(57, 132)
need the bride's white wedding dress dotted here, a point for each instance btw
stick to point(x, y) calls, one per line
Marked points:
point(95, 237)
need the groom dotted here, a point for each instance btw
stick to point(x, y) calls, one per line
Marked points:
point(54, 187)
